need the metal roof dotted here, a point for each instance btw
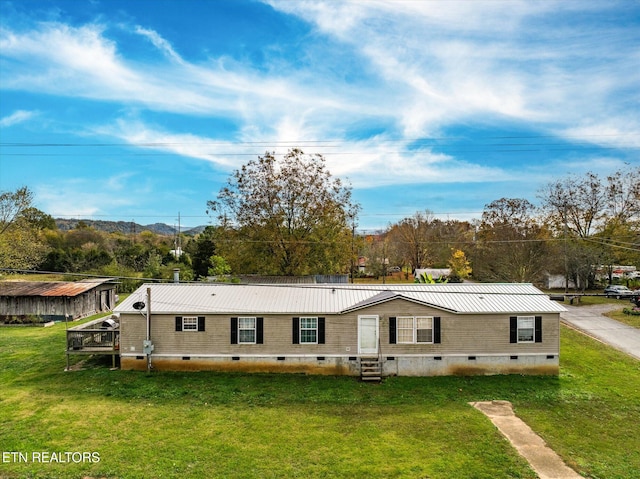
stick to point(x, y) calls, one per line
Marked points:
point(220, 298)
point(49, 288)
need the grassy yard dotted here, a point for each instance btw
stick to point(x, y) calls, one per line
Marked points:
point(631, 320)
point(207, 425)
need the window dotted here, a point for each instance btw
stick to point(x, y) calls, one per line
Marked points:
point(414, 329)
point(189, 323)
point(247, 330)
point(424, 330)
point(308, 330)
point(525, 329)
point(405, 330)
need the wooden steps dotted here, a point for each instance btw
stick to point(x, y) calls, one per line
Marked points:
point(370, 369)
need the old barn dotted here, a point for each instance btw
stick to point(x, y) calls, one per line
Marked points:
point(42, 301)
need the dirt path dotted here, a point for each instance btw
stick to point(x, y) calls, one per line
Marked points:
point(544, 461)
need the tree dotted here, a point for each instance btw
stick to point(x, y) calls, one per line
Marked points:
point(575, 203)
point(38, 219)
point(287, 217)
point(459, 265)
point(622, 195)
point(375, 249)
point(511, 243)
point(201, 250)
point(597, 219)
point(410, 239)
point(422, 240)
point(21, 242)
point(12, 205)
point(218, 266)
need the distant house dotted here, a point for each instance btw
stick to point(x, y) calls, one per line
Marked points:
point(53, 300)
point(557, 281)
point(366, 330)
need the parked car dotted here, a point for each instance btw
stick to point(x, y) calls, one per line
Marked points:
point(618, 291)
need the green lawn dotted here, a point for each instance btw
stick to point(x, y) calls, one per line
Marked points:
point(208, 425)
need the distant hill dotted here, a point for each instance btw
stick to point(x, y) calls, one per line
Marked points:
point(125, 227)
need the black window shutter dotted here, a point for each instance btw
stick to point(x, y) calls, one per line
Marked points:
point(234, 330)
point(296, 330)
point(538, 329)
point(200, 323)
point(178, 323)
point(392, 330)
point(320, 330)
point(259, 330)
point(436, 329)
point(513, 329)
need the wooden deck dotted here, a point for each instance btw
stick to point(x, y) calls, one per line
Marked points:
point(93, 338)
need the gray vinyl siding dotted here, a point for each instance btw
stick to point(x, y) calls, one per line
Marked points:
point(460, 334)
point(340, 334)
point(465, 333)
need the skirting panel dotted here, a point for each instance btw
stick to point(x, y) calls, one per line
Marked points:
point(414, 365)
point(542, 364)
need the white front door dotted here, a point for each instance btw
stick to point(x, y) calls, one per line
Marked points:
point(368, 334)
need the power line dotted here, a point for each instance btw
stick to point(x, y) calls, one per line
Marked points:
point(328, 142)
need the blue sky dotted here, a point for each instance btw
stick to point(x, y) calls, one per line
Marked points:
point(140, 110)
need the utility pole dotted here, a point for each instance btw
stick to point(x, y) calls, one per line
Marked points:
point(566, 258)
point(353, 237)
point(148, 345)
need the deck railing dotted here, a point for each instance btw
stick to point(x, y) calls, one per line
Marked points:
point(93, 339)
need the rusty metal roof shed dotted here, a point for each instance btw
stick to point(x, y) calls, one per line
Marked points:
point(49, 288)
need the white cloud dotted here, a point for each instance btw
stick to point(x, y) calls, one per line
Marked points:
point(18, 116)
point(464, 61)
point(143, 136)
point(427, 67)
point(76, 197)
point(160, 43)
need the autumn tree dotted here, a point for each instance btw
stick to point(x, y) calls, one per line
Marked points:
point(287, 217)
point(410, 239)
point(423, 241)
point(598, 219)
point(512, 244)
point(375, 249)
point(459, 265)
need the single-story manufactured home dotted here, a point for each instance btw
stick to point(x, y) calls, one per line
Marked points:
point(361, 330)
point(55, 300)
